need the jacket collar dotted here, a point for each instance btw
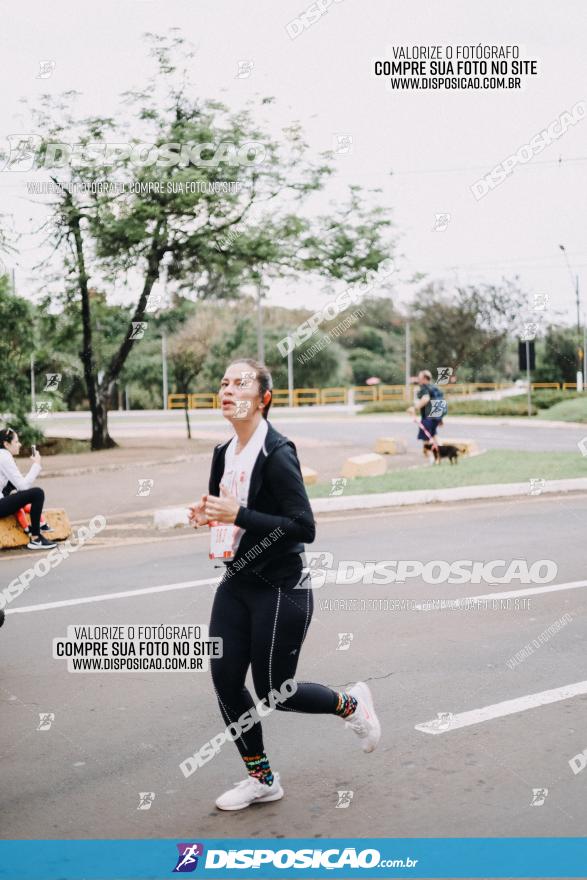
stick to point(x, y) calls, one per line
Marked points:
point(273, 440)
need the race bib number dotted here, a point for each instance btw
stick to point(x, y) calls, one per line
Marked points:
point(221, 541)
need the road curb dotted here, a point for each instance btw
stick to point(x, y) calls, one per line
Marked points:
point(431, 496)
point(174, 517)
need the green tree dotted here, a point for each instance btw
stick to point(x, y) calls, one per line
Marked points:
point(16, 342)
point(176, 216)
point(375, 342)
point(556, 355)
point(468, 330)
point(190, 348)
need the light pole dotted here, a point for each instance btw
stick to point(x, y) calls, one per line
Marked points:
point(290, 378)
point(164, 363)
point(33, 396)
point(528, 377)
point(33, 389)
point(408, 359)
point(260, 338)
point(580, 351)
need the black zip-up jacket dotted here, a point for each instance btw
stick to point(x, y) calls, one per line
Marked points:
point(277, 500)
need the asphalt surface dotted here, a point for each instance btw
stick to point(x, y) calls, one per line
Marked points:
point(490, 433)
point(176, 476)
point(115, 735)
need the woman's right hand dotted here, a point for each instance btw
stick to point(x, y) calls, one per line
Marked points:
point(196, 516)
point(36, 458)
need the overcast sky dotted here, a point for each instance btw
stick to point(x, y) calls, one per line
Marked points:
point(436, 143)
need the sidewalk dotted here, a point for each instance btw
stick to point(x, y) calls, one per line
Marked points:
point(171, 518)
point(135, 451)
point(325, 456)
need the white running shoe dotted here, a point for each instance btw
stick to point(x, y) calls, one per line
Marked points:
point(364, 721)
point(250, 791)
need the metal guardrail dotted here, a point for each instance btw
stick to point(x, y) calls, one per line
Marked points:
point(198, 400)
point(361, 394)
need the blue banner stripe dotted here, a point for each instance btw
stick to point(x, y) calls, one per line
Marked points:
point(233, 857)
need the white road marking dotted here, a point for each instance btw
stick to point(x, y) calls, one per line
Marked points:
point(510, 594)
point(185, 585)
point(97, 543)
point(106, 597)
point(499, 710)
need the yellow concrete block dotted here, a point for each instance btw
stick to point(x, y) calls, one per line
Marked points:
point(11, 534)
point(369, 465)
point(465, 447)
point(309, 475)
point(389, 446)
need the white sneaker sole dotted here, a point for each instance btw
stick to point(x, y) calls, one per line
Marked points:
point(363, 693)
point(264, 800)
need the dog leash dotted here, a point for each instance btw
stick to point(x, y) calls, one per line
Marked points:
point(430, 437)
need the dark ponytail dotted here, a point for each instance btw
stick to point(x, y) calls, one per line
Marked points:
point(6, 436)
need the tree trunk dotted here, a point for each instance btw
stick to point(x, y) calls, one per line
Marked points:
point(98, 403)
point(156, 253)
point(187, 418)
point(101, 439)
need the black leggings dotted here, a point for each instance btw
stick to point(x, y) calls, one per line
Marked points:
point(35, 497)
point(263, 622)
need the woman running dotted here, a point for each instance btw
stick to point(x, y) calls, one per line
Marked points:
point(10, 504)
point(259, 515)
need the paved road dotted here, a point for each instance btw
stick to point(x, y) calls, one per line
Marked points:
point(335, 426)
point(324, 441)
point(115, 735)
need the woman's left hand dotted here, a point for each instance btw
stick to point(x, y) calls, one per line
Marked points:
point(223, 509)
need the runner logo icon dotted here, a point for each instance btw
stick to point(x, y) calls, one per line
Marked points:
point(188, 857)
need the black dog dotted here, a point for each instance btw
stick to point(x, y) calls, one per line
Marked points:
point(440, 452)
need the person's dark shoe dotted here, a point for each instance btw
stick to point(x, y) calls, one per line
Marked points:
point(45, 527)
point(40, 543)
point(2, 616)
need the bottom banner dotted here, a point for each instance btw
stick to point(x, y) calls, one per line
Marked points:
point(485, 857)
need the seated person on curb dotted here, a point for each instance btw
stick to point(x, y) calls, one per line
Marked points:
point(9, 473)
point(21, 515)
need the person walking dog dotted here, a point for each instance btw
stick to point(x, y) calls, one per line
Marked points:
point(260, 518)
point(423, 405)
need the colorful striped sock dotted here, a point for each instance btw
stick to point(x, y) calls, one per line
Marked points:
point(346, 705)
point(258, 767)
